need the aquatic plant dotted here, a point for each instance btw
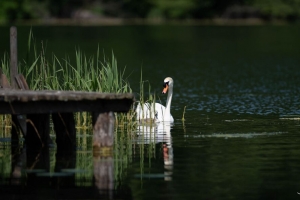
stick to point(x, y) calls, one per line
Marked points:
point(149, 102)
point(183, 119)
point(85, 74)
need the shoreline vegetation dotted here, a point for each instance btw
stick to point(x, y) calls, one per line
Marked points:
point(95, 73)
point(98, 72)
point(265, 10)
point(118, 12)
point(140, 21)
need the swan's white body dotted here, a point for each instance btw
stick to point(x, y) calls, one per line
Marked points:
point(158, 112)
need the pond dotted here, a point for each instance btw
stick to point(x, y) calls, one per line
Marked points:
point(238, 88)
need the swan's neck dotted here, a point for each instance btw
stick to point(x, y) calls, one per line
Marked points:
point(168, 104)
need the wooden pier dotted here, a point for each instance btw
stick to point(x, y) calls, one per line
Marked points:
point(31, 110)
point(38, 105)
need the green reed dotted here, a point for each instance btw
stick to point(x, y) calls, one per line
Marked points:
point(44, 72)
point(83, 74)
point(183, 114)
point(148, 103)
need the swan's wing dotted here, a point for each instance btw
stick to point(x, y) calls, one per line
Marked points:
point(145, 111)
point(151, 111)
point(159, 111)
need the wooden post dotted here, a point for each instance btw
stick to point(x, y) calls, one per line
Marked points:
point(13, 56)
point(103, 131)
point(13, 73)
point(19, 121)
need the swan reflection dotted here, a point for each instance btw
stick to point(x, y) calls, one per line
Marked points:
point(158, 133)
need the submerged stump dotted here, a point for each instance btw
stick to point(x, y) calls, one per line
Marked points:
point(103, 131)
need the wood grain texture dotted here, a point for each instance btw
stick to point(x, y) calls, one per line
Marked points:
point(33, 102)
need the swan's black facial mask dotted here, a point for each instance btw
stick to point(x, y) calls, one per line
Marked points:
point(166, 84)
point(166, 87)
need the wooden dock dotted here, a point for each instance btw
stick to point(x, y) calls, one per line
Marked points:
point(31, 110)
point(31, 114)
point(39, 102)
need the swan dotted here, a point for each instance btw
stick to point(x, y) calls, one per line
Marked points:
point(158, 112)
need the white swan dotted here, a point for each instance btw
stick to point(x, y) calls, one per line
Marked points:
point(158, 112)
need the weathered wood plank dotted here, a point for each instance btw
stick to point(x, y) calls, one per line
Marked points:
point(13, 56)
point(21, 82)
point(57, 95)
point(65, 106)
point(27, 101)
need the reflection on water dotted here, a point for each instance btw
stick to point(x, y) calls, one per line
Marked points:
point(234, 135)
point(104, 174)
point(63, 173)
point(240, 138)
point(262, 104)
point(206, 159)
point(157, 133)
point(57, 174)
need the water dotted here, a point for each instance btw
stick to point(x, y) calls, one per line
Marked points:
point(240, 137)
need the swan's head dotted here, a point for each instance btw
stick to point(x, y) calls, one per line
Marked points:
point(167, 83)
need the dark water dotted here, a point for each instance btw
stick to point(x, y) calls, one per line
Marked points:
point(240, 137)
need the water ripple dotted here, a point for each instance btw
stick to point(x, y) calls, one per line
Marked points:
point(261, 104)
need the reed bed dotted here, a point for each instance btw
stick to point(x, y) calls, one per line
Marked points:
point(44, 72)
point(83, 74)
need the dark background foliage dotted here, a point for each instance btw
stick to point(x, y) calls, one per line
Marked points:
point(18, 10)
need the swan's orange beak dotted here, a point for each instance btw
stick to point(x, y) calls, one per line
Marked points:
point(165, 90)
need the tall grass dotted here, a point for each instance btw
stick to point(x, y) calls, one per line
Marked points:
point(146, 104)
point(44, 72)
point(83, 74)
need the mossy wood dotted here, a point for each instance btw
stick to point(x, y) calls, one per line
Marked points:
point(62, 105)
point(34, 102)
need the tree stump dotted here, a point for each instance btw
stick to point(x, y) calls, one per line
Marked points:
point(103, 131)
